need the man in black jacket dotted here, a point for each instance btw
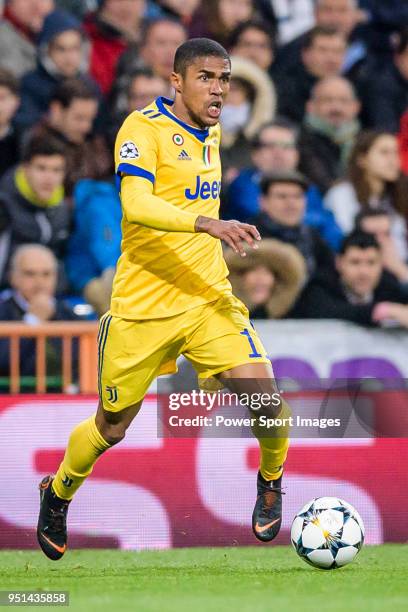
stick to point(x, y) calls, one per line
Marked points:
point(33, 208)
point(360, 291)
point(31, 299)
point(283, 203)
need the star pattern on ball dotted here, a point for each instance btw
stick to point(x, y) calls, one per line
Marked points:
point(327, 533)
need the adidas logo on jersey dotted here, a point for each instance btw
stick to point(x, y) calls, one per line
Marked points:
point(184, 155)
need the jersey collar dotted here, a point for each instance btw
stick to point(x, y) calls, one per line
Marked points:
point(161, 104)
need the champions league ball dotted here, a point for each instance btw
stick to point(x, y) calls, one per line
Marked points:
point(327, 533)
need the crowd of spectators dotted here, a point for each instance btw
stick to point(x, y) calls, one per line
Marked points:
point(314, 147)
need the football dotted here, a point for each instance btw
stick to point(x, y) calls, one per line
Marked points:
point(327, 533)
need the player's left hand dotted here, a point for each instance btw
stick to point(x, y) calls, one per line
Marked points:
point(234, 233)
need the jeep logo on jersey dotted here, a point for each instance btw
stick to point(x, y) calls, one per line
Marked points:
point(129, 150)
point(204, 190)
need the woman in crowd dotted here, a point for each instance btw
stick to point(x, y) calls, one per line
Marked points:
point(267, 280)
point(374, 181)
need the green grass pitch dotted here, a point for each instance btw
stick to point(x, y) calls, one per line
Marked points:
point(265, 578)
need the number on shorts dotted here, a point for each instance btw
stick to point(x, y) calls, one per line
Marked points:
point(254, 353)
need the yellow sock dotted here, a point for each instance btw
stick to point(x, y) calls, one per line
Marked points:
point(274, 444)
point(85, 445)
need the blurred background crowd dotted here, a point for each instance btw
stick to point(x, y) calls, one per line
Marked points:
point(314, 149)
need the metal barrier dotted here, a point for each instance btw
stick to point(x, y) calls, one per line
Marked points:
point(86, 332)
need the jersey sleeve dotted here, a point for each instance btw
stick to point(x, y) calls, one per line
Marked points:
point(136, 149)
point(142, 207)
point(136, 153)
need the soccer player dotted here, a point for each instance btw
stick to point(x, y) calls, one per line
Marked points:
point(171, 295)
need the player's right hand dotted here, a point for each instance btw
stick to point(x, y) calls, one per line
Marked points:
point(233, 233)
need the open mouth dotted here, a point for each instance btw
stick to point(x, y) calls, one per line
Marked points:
point(214, 109)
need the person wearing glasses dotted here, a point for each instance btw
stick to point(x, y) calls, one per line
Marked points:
point(275, 149)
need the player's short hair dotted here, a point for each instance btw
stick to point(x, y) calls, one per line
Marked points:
point(194, 48)
point(9, 81)
point(42, 145)
point(73, 89)
point(359, 240)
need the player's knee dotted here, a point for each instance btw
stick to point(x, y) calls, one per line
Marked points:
point(113, 425)
point(113, 433)
point(271, 410)
point(277, 407)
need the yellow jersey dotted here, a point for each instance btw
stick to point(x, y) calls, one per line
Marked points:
point(163, 273)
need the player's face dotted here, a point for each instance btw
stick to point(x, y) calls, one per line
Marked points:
point(203, 89)
point(360, 269)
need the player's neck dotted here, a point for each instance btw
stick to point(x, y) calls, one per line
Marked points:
point(180, 111)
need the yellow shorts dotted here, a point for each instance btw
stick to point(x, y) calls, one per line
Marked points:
point(214, 337)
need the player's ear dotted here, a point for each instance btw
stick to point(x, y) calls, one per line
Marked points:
point(176, 81)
